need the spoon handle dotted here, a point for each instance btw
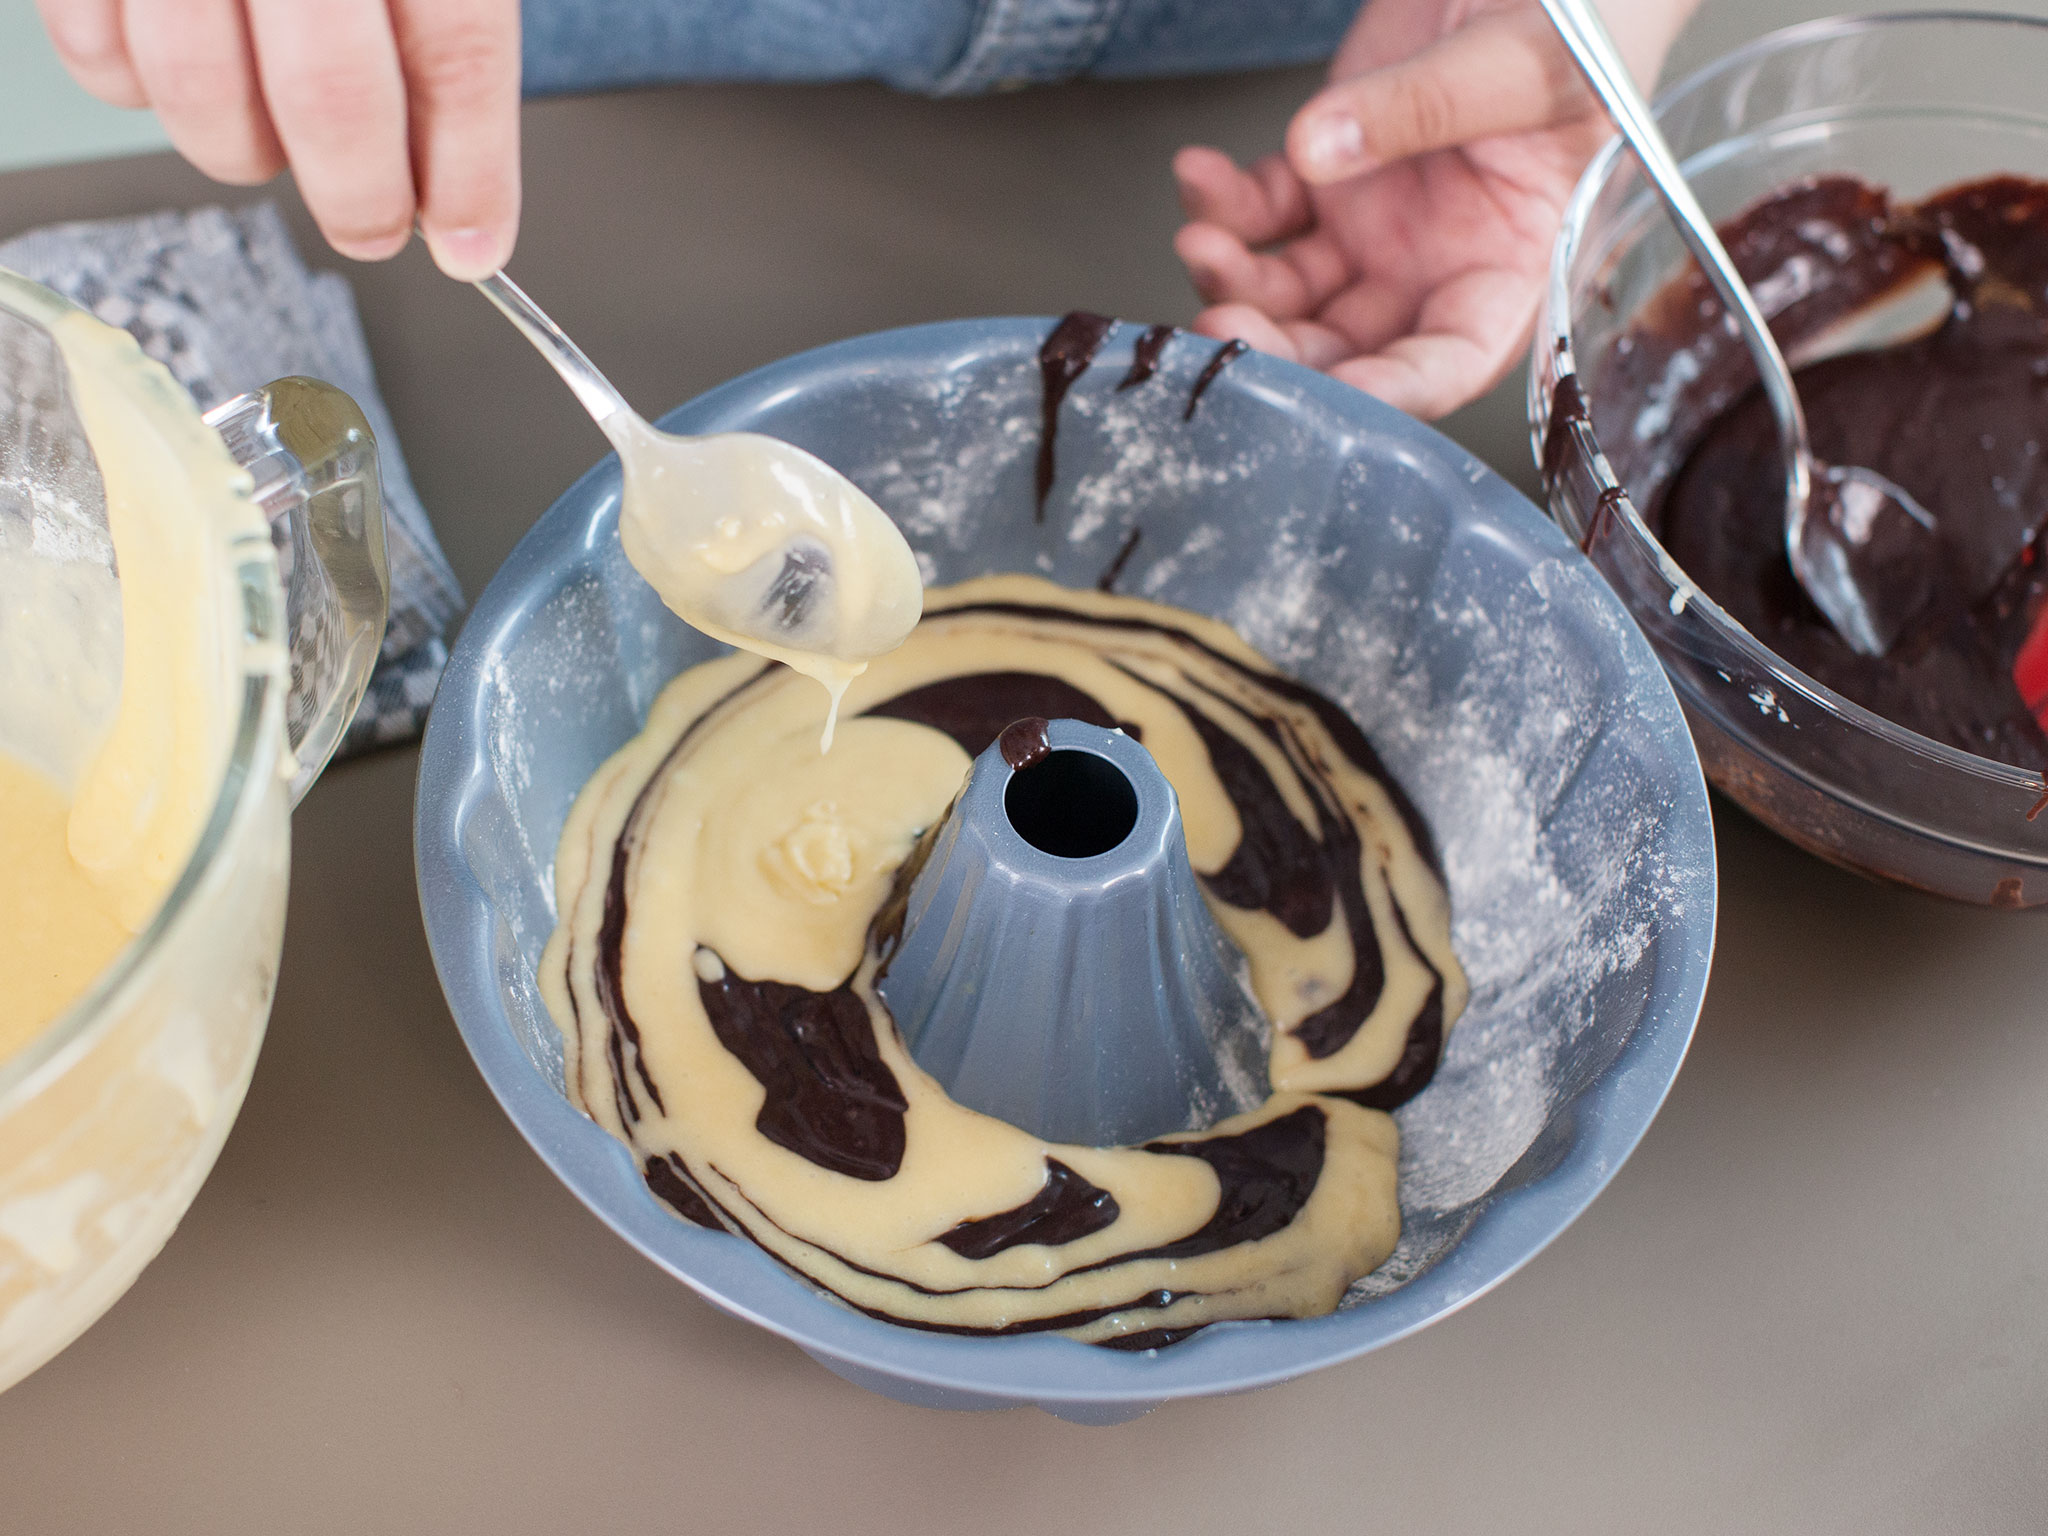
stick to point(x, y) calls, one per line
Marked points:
point(552, 342)
point(1586, 36)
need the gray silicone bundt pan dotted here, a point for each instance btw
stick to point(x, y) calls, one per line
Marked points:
point(1496, 674)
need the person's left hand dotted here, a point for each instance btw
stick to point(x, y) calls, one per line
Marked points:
point(1402, 241)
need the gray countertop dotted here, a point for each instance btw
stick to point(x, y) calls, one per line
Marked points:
point(1815, 1300)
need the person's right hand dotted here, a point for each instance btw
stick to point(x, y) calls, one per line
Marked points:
point(389, 112)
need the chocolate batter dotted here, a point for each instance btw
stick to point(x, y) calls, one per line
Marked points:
point(1145, 355)
point(1955, 415)
point(1066, 353)
point(1113, 572)
point(1219, 360)
point(731, 900)
point(1063, 357)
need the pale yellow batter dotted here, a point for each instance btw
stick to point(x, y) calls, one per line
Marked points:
point(78, 880)
point(717, 846)
point(766, 547)
point(58, 929)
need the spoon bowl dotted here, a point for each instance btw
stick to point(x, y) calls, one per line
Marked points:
point(747, 538)
point(1864, 549)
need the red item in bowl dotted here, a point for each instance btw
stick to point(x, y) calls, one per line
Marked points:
point(2030, 668)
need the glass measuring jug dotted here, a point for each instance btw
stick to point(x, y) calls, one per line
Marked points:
point(113, 1111)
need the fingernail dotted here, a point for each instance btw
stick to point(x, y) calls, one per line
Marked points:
point(378, 248)
point(467, 254)
point(1333, 144)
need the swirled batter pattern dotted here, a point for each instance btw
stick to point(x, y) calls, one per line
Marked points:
point(730, 900)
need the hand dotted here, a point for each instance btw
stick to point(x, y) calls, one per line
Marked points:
point(387, 113)
point(1402, 242)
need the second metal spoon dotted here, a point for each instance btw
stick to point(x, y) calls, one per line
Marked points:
point(1862, 547)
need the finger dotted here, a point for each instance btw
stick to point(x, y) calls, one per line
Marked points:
point(193, 60)
point(1240, 322)
point(1501, 74)
point(1299, 341)
point(1260, 205)
point(1317, 345)
point(1470, 332)
point(1287, 286)
point(1426, 376)
point(90, 39)
point(331, 76)
point(1370, 315)
point(461, 61)
point(1388, 31)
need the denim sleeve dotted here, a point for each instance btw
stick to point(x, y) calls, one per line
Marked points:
point(944, 47)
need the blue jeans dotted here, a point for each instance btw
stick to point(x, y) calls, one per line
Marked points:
point(945, 47)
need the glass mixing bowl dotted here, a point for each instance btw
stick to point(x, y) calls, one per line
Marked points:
point(112, 1115)
point(1913, 102)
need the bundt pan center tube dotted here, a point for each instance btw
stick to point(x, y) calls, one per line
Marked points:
point(1058, 968)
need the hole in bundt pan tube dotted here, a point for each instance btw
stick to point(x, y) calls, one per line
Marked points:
point(1072, 805)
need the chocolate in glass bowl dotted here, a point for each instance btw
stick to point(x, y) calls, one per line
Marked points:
point(1954, 413)
point(1915, 103)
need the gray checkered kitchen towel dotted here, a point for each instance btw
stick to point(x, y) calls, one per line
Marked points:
point(221, 298)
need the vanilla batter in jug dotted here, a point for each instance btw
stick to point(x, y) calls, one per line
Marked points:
point(730, 900)
point(58, 929)
point(83, 872)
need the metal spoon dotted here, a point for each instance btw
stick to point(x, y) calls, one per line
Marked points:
point(1859, 543)
point(746, 537)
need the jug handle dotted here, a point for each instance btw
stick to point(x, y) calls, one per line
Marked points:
point(314, 462)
